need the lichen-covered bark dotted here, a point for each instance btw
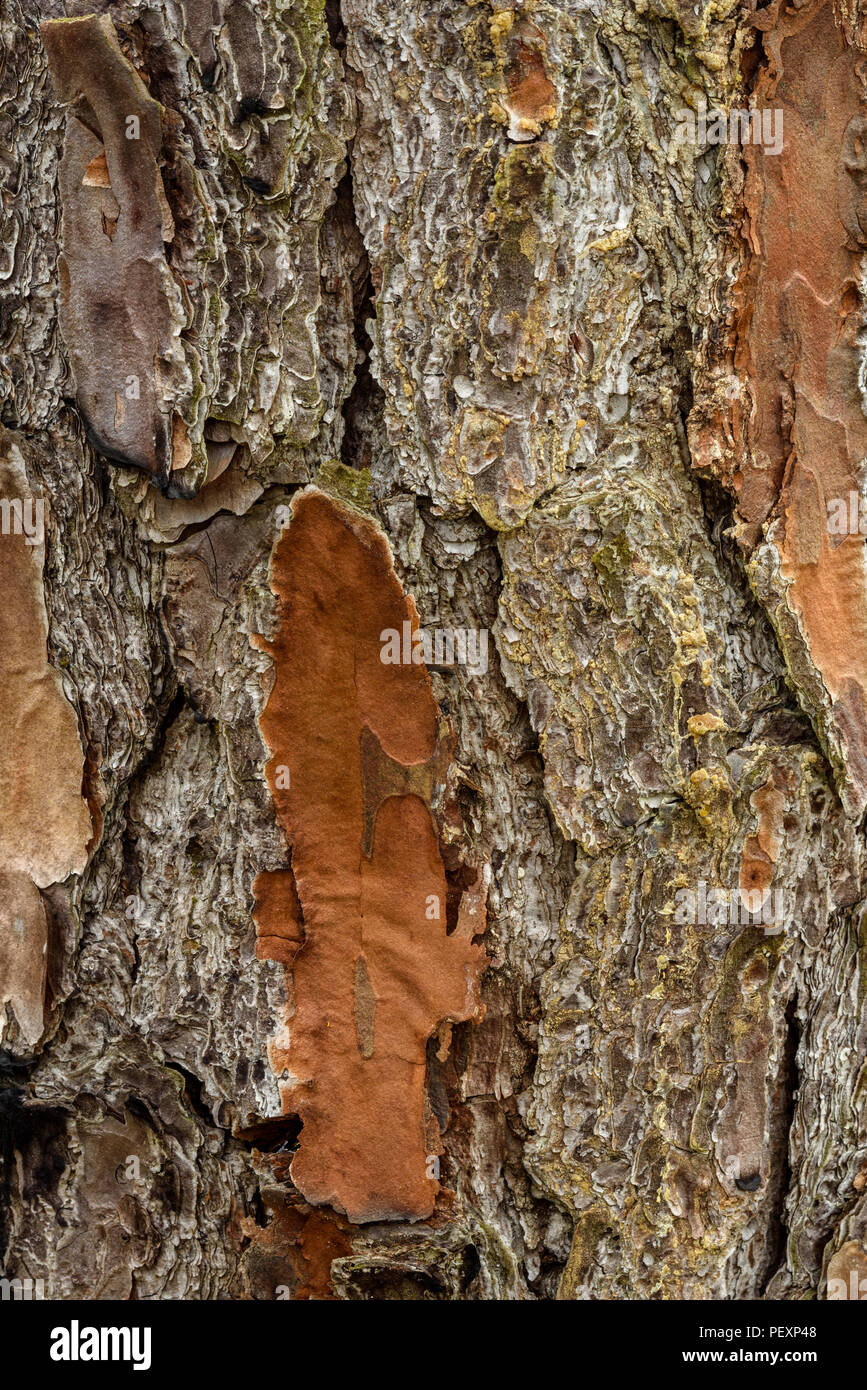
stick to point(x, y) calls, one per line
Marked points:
point(558, 373)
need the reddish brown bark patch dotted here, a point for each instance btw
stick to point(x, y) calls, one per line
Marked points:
point(290, 1258)
point(762, 850)
point(801, 308)
point(532, 99)
point(800, 317)
point(359, 745)
point(45, 828)
point(278, 916)
point(115, 311)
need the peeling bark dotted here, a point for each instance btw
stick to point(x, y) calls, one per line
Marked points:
point(354, 741)
point(45, 830)
point(453, 318)
point(116, 290)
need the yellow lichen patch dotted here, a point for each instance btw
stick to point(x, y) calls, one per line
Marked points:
point(500, 24)
point(699, 724)
point(709, 794)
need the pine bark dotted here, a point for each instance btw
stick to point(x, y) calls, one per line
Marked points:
point(454, 268)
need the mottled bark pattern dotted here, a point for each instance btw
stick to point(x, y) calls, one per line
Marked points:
point(592, 386)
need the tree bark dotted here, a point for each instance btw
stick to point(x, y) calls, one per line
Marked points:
point(524, 958)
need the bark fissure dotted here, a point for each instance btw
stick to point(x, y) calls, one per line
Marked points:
point(476, 277)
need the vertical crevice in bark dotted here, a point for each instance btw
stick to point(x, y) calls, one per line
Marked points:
point(557, 419)
point(783, 1111)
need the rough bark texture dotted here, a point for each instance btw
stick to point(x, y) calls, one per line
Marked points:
point(380, 310)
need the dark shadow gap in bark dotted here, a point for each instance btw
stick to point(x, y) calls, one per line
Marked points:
point(277, 1135)
point(364, 408)
point(336, 27)
point(791, 724)
point(32, 1143)
point(193, 1094)
point(780, 1180)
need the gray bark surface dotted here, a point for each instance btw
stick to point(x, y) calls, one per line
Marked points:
point(488, 315)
